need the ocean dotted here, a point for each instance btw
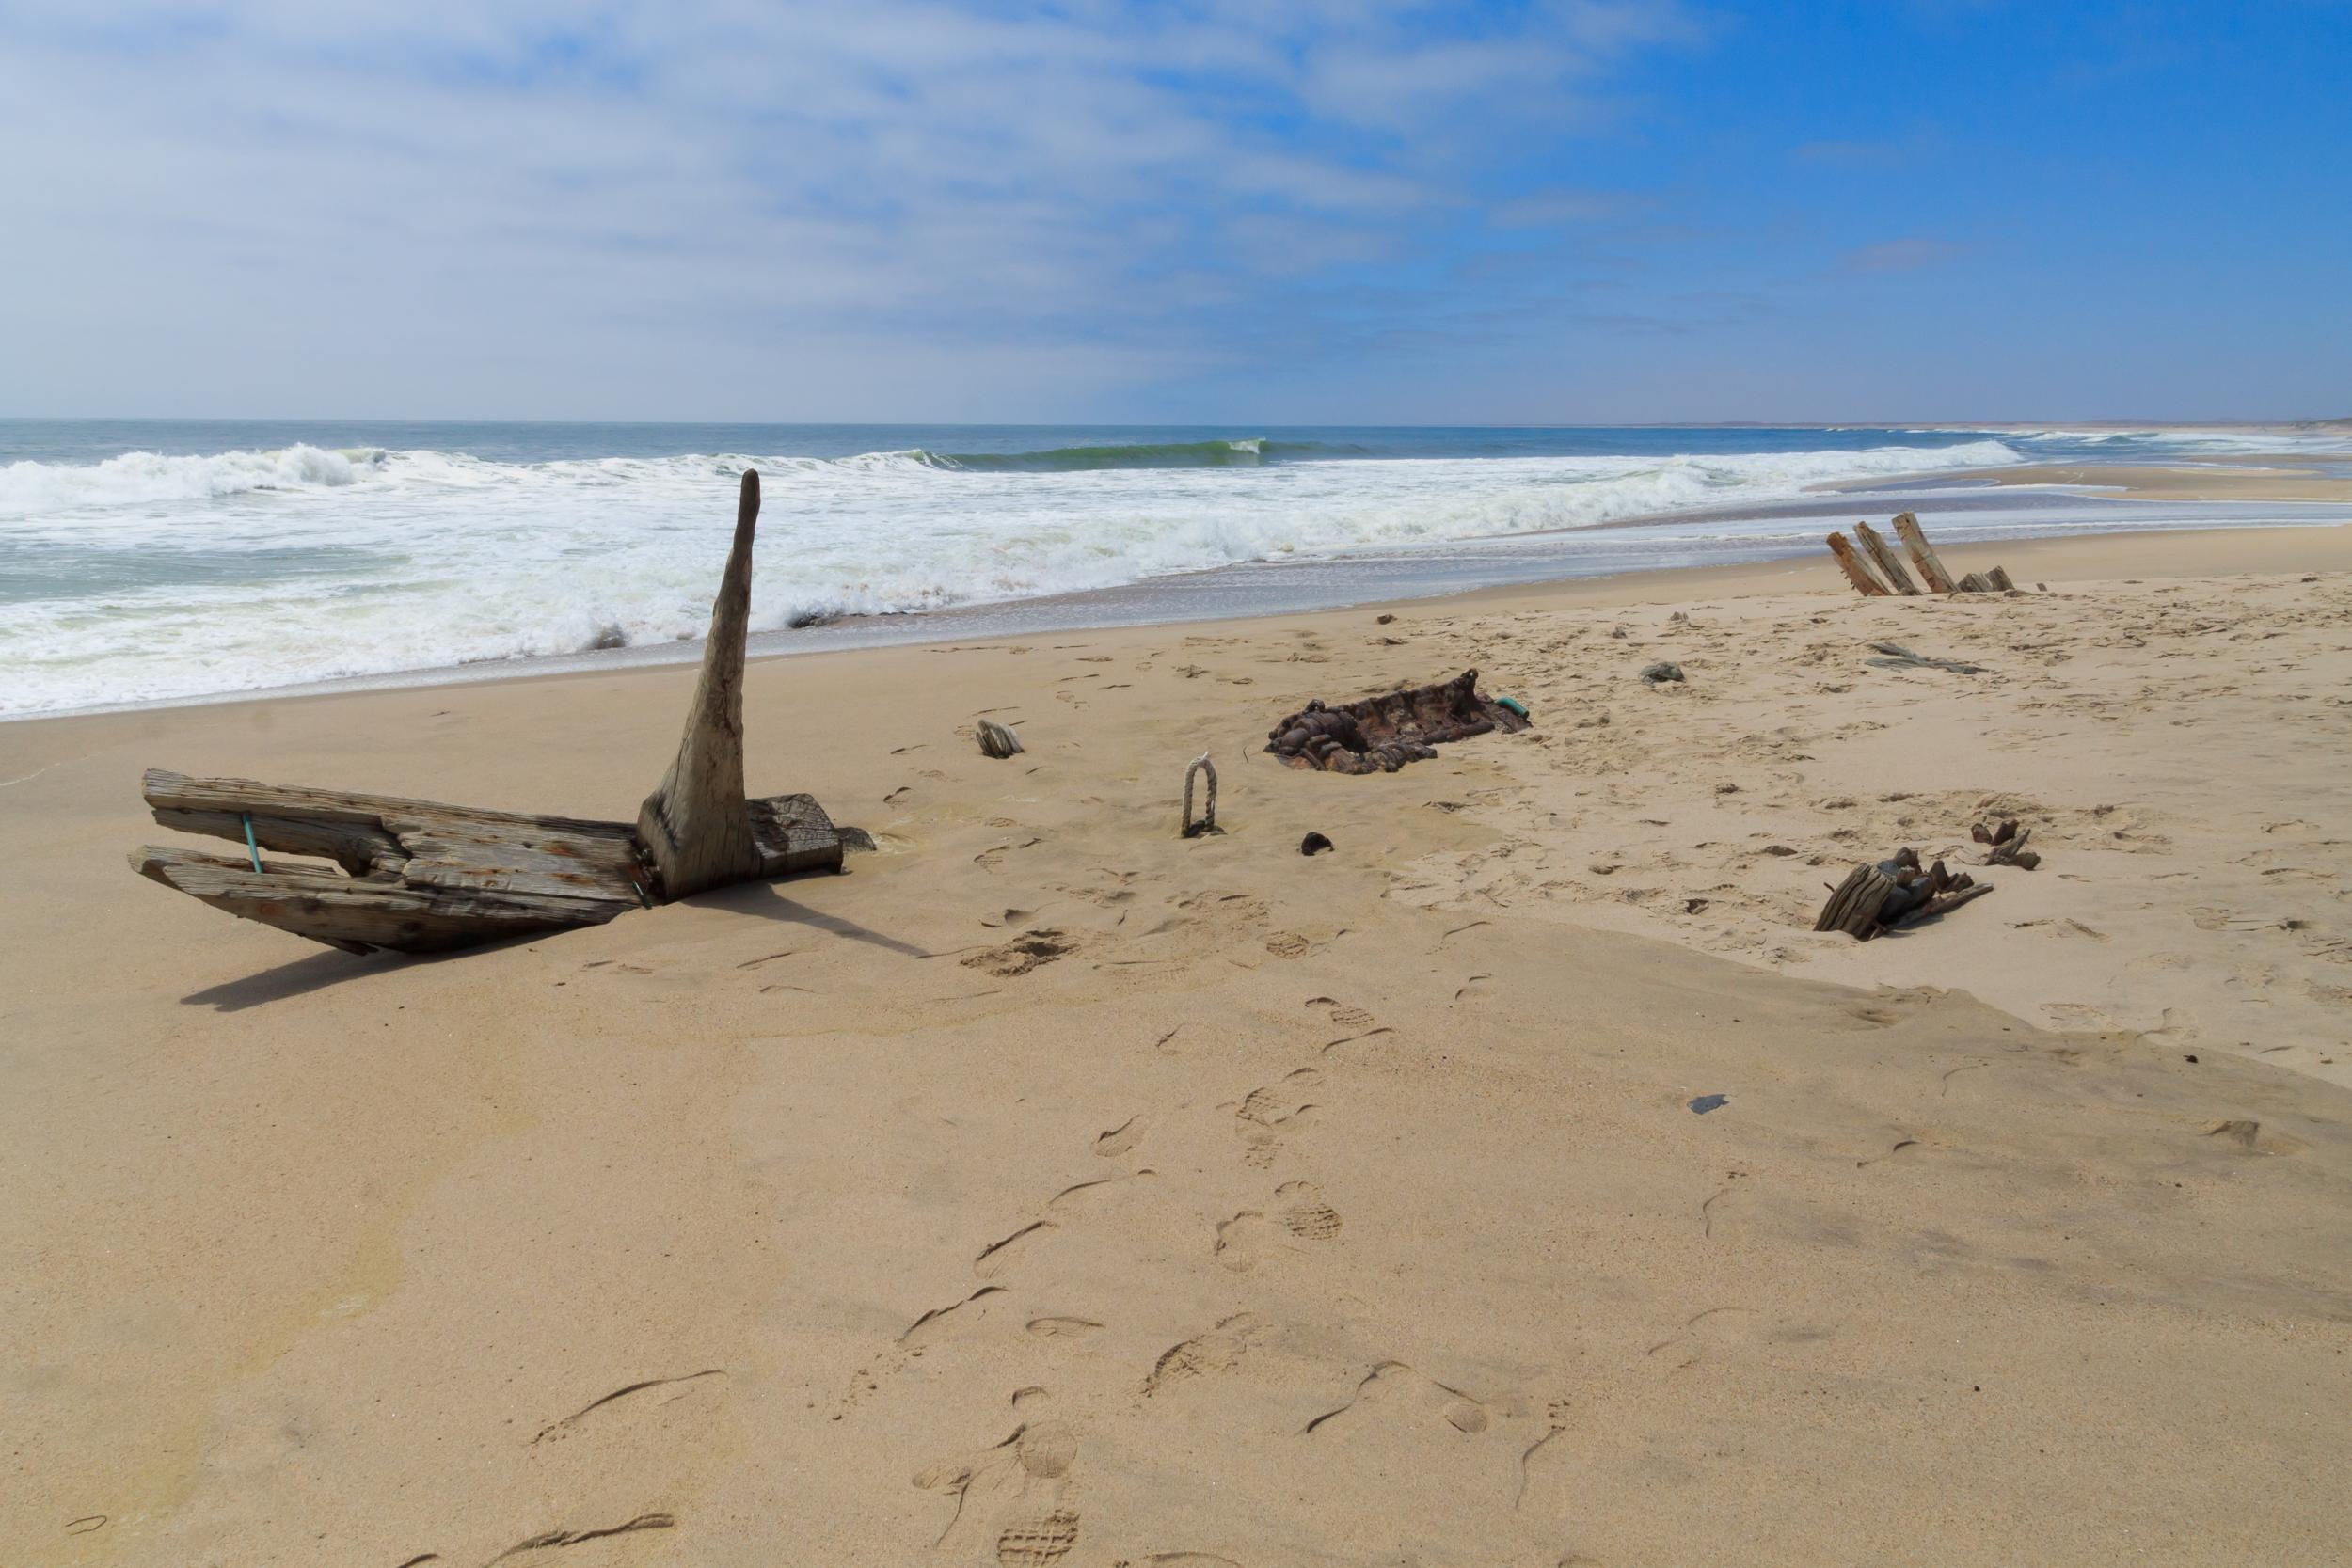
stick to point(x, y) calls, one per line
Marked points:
point(145, 561)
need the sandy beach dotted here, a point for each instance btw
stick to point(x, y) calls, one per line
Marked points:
point(1048, 1189)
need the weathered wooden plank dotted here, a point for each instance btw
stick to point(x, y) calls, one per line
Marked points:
point(1889, 564)
point(356, 849)
point(1976, 582)
point(696, 828)
point(609, 866)
point(357, 916)
point(1857, 571)
point(1853, 905)
point(2000, 580)
point(1930, 565)
point(794, 835)
point(168, 791)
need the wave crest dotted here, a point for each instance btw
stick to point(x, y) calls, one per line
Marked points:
point(147, 476)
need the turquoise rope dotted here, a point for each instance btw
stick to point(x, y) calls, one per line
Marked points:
point(250, 848)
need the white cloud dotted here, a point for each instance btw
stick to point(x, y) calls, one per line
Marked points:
point(716, 206)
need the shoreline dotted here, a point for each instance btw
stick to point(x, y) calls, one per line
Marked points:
point(1038, 616)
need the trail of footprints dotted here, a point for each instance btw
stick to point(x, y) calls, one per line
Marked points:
point(1012, 1498)
point(1018, 1501)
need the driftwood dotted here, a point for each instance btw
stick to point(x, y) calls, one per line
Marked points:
point(1895, 893)
point(1899, 657)
point(2005, 845)
point(1922, 553)
point(422, 877)
point(1890, 565)
point(997, 741)
point(1871, 584)
point(1380, 734)
point(1857, 571)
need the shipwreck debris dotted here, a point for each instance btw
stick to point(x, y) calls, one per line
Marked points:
point(1882, 573)
point(995, 739)
point(1895, 893)
point(2005, 845)
point(1380, 734)
point(422, 877)
point(1899, 657)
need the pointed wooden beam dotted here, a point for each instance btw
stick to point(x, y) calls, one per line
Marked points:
point(696, 828)
point(2000, 580)
point(1889, 561)
point(1857, 571)
point(1930, 566)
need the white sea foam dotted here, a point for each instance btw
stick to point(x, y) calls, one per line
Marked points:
point(28, 487)
point(147, 577)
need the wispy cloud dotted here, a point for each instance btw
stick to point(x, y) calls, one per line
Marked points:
point(853, 191)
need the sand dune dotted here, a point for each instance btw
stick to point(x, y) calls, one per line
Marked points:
point(1523, 1183)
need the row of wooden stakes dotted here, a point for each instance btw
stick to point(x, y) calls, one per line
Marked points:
point(1871, 584)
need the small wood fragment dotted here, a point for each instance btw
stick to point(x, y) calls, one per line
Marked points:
point(1889, 564)
point(1857, 571)
point(1922, 553)
point(1899, 657)
point(997, 741)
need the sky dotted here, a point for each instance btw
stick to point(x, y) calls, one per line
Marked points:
point(1197, 211)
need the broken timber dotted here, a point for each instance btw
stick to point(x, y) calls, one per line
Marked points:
point(1380, 734)
point(421, 877)
point(1895, 893)
point(1888, 576)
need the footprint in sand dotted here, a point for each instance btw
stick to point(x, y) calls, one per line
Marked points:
point(1011, 1494)
point(1308, 1217)
point(994, 1259)
point(1394, 1385)
point(1276, 1104)
point(1062, 1328)
point(1341, 1014)
point(1265, 1113)
point(1028, 951)
point(1242, 1241)
point(1288, 945)
point(1119, 1139)
point(1216, 1351)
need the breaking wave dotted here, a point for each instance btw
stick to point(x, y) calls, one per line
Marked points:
point(147, 577)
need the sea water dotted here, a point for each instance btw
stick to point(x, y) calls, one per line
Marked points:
point(145, 561)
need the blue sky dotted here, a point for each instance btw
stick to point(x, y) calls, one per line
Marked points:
point(1309, 212)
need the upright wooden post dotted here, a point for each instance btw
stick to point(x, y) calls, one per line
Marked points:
point(1857, 571)
point(1930, 566)
point(1889, 561)
point(696, 828)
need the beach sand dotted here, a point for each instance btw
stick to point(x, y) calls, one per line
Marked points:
point(2266, 477)
point(1052, 1189)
